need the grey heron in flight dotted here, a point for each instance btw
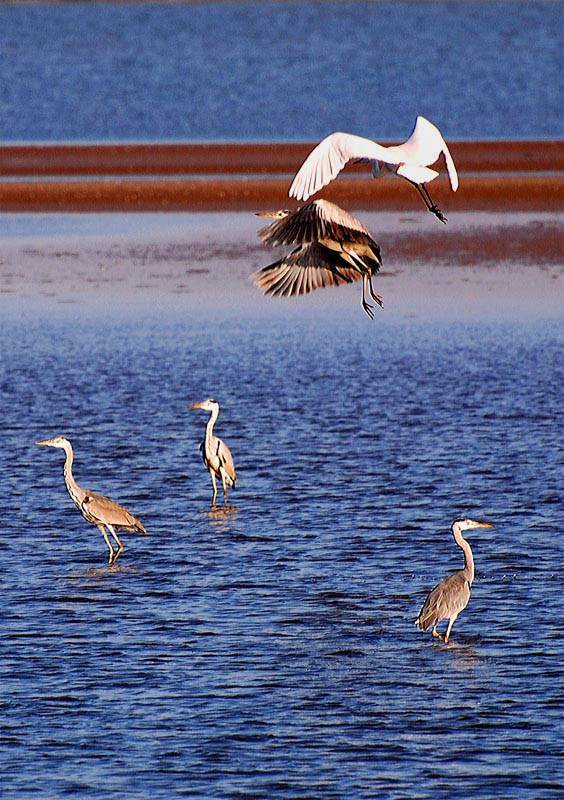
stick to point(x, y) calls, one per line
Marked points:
point(451, 595)
point(333, 247)
point(95, 508)
point(215, 453)
point(411, 160)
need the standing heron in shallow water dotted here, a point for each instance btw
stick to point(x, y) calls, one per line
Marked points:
point(215, 453)
point(333, 248)
point(451, 595)
point(95, 508)
point(410, 160)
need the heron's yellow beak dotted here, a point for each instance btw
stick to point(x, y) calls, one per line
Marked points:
point(46, 441)
point(194, 405)
point(483, 525)
point(264, 214)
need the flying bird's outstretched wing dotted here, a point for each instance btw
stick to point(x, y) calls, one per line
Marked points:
point(425, 146)
point(329, 157)
point(308, 267)
point(313, 222)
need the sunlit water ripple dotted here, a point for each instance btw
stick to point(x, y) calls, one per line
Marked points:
point(272, 652)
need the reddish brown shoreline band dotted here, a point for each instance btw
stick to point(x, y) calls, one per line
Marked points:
point(492, 193)
point(247, 159)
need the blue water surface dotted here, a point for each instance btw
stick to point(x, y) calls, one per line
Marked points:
point(271, 652)
point(279, 71)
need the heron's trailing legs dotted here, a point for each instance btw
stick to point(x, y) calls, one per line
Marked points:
point(373, 294)
point(367, 285)
point(427, 199)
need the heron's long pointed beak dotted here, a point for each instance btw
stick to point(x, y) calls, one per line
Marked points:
point(483, 525)
point(196, 405)
point(265, 214)
point(47, 442)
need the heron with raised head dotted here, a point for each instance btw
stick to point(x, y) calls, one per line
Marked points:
point(451, 595)
point(333, 248)
point(94, 507)
point(215, 453)
point(411, 160)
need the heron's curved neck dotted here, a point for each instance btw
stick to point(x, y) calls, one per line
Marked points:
point(71, 484)
point(211, 422)
point(468, 557)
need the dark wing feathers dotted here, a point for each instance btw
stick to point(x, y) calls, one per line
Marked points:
point(308, 267)
point(317, 220)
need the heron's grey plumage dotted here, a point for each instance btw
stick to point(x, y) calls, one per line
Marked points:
point(95, 508)
point(333, 248)
point(451, 595)
point(215, 453)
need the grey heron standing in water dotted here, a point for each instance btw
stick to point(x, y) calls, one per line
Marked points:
point(215, 453)
point(411, 160)
point(451, 595)
point(95, 508)
point(333, 248)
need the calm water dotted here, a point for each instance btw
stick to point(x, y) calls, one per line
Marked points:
point(272, 652)
point(205, 71)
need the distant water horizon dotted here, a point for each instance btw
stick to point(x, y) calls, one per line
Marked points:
point(279, 71)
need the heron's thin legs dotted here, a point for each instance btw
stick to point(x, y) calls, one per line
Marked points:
point(436, 633)
point(373, 293)
point(448, 630)
point(120, 546)
point(224, 488)
point(99, 524)
point(365, 304)
point(212, 473)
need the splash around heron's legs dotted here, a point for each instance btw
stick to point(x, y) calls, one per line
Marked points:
point(221, 511)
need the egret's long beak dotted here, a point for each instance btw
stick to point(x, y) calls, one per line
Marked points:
point(48, 442)
point(483, 525)
point(196, 405)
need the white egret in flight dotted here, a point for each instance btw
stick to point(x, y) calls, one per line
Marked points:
point(411, 160)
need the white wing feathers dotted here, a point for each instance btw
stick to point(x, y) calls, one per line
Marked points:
point(410, 159)
point(329, 157)
point(425, 146)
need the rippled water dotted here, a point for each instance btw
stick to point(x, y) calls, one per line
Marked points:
point(272, 652)
point(205, 71)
